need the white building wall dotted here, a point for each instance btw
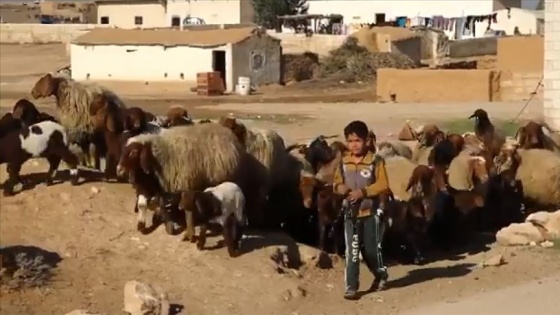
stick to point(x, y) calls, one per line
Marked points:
point(142, 63)
point(122, 15)
point(526, 21)
point(211, 11)
point(552, 64)
point(363, 11)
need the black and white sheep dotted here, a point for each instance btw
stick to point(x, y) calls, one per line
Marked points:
point(45, 139)
point(224, 205)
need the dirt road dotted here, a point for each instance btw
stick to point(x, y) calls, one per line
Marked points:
point(535, 297)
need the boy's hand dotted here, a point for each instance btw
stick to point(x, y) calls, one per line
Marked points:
point(341, 189)
point(355, 195)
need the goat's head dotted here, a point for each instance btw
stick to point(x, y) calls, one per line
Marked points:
point(429, 135)
point(531, 136)
point(135, 120)
point(238, 129)
point(319, 152)
point(26, 112)
point(138, 162)
point(46, 86)
point(178, 116)
point(457, 140)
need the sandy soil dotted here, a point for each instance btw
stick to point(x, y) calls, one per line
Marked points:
point(94, 233)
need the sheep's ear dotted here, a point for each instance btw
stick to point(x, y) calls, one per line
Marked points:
point(146, 159)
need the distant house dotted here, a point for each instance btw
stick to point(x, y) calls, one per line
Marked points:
point(166, 13)
point(375, 11)
point(132, 13)
point(175, 55)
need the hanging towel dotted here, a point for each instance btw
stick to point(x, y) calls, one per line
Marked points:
point(459, 27)
point(401, 21)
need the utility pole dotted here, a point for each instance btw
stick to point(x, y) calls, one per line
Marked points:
point(551, 105)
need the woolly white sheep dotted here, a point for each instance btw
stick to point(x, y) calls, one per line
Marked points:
point(46, 139)
point(539, 173)
point(224, 205)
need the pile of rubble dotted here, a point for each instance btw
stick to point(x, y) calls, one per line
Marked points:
point(541, 228)
point(357, 63)
point(140, 299)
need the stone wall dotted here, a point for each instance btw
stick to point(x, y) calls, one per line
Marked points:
point(435, 86)
point(473, 47)
point(520, 60)
point(63, 33)
point(552, 64)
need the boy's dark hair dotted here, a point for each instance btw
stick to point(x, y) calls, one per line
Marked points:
point(357, 127)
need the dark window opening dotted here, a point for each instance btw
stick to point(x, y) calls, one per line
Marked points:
point(379, 18)
point(175, 21)
point(104, 20)
point(138, 20)
point(219, 64)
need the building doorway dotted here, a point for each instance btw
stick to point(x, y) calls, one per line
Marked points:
point(219, 64)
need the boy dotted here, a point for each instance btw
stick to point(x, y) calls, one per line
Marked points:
point(361, 177)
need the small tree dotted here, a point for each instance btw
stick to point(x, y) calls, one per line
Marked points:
point(267, 11)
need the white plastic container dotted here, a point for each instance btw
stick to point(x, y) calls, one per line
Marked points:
point(244, 86)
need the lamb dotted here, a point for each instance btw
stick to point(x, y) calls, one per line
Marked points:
point(183, 159)
point(538, 170)
point(394, 148)
point(223, 204)
point(90, 114)
point(45, 139)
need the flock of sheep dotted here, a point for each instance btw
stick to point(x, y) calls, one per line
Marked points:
point(442, 186)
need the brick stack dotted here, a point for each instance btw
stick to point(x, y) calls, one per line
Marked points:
point(209, 84)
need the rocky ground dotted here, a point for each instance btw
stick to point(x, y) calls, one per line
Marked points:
point(91, 228)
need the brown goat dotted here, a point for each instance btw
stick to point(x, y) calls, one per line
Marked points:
point(26, 111)
point(531, 136)
point(328, 207)
point(109, 128)
point(407, 224)
point(422, 181)
point(178, 116)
